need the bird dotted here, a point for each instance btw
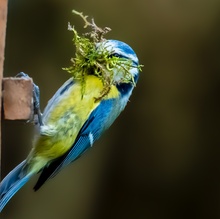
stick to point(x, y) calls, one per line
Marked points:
point(71, 123)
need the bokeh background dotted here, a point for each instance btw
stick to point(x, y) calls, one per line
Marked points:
point(160, 159)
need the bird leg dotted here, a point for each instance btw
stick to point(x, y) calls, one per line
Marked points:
point(36, 100)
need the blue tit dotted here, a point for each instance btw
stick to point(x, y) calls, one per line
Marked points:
point(72, 123)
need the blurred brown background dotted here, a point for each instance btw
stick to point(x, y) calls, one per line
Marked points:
point(160, 159)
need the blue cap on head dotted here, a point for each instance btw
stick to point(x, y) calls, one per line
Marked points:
point(122, 49)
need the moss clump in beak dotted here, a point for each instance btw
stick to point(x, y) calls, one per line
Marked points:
point(93, 57)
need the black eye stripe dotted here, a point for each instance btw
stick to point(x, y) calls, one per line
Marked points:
point(121, 56)
point(116, 55)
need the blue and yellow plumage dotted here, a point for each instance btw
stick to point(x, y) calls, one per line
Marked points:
point(72, 123)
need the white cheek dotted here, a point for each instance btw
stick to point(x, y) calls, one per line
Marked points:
point(120, 74)
point(134, 71)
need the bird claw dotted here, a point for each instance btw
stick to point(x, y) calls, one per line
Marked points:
point(37, 117)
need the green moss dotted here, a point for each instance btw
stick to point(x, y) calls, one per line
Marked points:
point(89, 60)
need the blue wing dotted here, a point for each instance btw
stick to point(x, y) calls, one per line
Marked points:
point(99, 120)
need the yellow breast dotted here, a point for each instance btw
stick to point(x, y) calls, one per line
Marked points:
point(66, 118)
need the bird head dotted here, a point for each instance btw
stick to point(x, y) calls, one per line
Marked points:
point(121, 62)
point(113, 62)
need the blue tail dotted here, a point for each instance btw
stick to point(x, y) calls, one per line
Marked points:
point(12, 183)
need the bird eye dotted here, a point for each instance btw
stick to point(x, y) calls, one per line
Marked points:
point(115, 55)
